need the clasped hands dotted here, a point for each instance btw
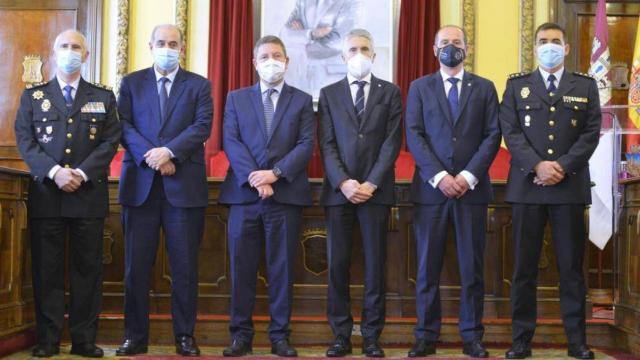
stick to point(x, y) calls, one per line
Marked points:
point(262, 180)
point(548, 173)
point(453, 187)
point(68, 180)
point(159, 159)
point(356, 192)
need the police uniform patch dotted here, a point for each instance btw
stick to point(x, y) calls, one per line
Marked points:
point(582, 74)
point(46, 105)
point(518, 75)
point(524, 92)
point(38, 94)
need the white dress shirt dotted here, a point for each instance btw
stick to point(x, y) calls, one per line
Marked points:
point(545, 76)
point(469, 177)
point(274, 96)
point(354, 87)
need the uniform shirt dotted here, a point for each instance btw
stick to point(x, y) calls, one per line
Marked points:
point(469, 177)
point(557, 74)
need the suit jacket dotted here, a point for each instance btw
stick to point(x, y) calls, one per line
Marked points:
point(187, 126)
point(249, 148)
point(85, 136)
point(365, 151)
point(438, 142)
point(564, 127)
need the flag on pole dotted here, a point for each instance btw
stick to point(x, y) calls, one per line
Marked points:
point(634, 84)
point(601, 210)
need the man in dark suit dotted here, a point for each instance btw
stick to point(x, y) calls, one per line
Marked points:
point(166, 114)
point(551, 123)
point(268, 137)
point(67, 131)
point(453, 134)
point(359, 139)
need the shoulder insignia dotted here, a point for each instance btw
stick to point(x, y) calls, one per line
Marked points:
point(582, 74)
point(36, 85)
point(101, 86)
point(518, 75)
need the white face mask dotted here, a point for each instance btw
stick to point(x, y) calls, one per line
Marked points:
point(166, 58)
point(271, 71)
point(68, 61)
point(550, 55)
point(359, 66)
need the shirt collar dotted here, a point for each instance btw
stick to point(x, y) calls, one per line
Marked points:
point(171, 76)
point(351, 78)
point(458, 76)
point(264, 87)
point(545, 75)
point(74, 84)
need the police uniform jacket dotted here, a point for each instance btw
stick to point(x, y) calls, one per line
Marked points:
point(84, 136)
point(563, 126)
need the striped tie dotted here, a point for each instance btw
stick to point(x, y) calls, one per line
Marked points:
point(359, 104)
point(67, 95)
point(268, 109)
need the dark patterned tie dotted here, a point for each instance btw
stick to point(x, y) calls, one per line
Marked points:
point(359, 104)
point(68, 100)
point(552, 85)
point(163, 97)
point(268, 110)
point(453, 97)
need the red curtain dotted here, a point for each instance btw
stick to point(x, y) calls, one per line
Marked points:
point(230, 67)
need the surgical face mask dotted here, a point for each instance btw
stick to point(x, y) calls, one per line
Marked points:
point(550, 55)
point(68, 61)
point(451, 55)
point(166, 58)
point(359, 66)
point(271, 71)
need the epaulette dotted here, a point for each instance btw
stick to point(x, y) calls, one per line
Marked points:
point(36, 85)
point(518, 75)
point(101, 86)
point(582, 74)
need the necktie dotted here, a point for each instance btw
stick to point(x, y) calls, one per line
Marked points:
point(453, 97)
point(163, 96)
point(359, 104)
point(268, 110)
point(68, 100)
point(552, 86)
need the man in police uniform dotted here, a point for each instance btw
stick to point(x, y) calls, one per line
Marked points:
point(550, 120)
point(67, 131)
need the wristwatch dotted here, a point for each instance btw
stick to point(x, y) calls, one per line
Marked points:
point(277, 172)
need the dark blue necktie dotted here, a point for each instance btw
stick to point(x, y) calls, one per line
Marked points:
point(68, 100)
point(453, 97)
point(163, 97)
point(269, 110)
point(359, 104)
point(552, 85)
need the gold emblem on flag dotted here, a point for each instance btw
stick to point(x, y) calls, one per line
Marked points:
point(32, 65)
point(525, 92)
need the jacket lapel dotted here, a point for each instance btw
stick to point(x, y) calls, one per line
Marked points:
point(567, 83)
point(466, 89)
point(437, 86)
point(538, 87)
point(281, 108)
point(55, 95)
point(176, 90)
point(153, 101)
point(375, 91)
point(347, 100)
point(258, 107)
point(81, 97)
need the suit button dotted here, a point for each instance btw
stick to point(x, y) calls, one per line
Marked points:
point(69, 135)
point(552, 123)
point(551, 137)
point(575, 107)
point(93, 120)
point(68, 151)
point(552, 109)
point(360, 136)
point(67, 166)
point(44, 119)
point(527, 107)
point(70, 121)
point(454, 139)
point(550, 151)
point(521, 169)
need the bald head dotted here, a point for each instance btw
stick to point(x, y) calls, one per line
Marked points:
point(450, 34)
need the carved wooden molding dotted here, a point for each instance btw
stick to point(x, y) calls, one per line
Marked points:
point(122, 54)
point(469, 26)
point(527, 14)
point(182, 22)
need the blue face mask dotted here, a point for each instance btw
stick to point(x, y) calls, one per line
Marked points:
point(550, 55)
point(68, 61)
point(166, 58)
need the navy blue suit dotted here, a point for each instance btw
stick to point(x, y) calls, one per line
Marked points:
point(175, 202)
point(439, 142)
point(275, 220)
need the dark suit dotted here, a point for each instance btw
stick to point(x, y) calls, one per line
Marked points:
point(276, 220)
point(565, 128)
point(84, 136)
point(175, 202)
point(438, 143)
point(363, 150)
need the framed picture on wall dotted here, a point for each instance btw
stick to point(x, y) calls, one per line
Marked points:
point(313, 32)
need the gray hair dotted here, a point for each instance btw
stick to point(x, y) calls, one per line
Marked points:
point(171, 26)
point(464, 34)
point(83, 39)
point(358, 33)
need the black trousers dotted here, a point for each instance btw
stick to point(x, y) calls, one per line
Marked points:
point(568, 233)
point(85, 275)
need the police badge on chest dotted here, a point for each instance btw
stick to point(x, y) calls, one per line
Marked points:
point(46, 136)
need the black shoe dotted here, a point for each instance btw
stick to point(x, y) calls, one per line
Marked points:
point(580, 351)
point(475, 349)
point(238, 348)
point(129, 348)
point(46, 350)
point(422, 348)
point(520, 349)
point(371, 348)
point(186, 346)
point(86, 350)
point(283, 349)
point(341, 346)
